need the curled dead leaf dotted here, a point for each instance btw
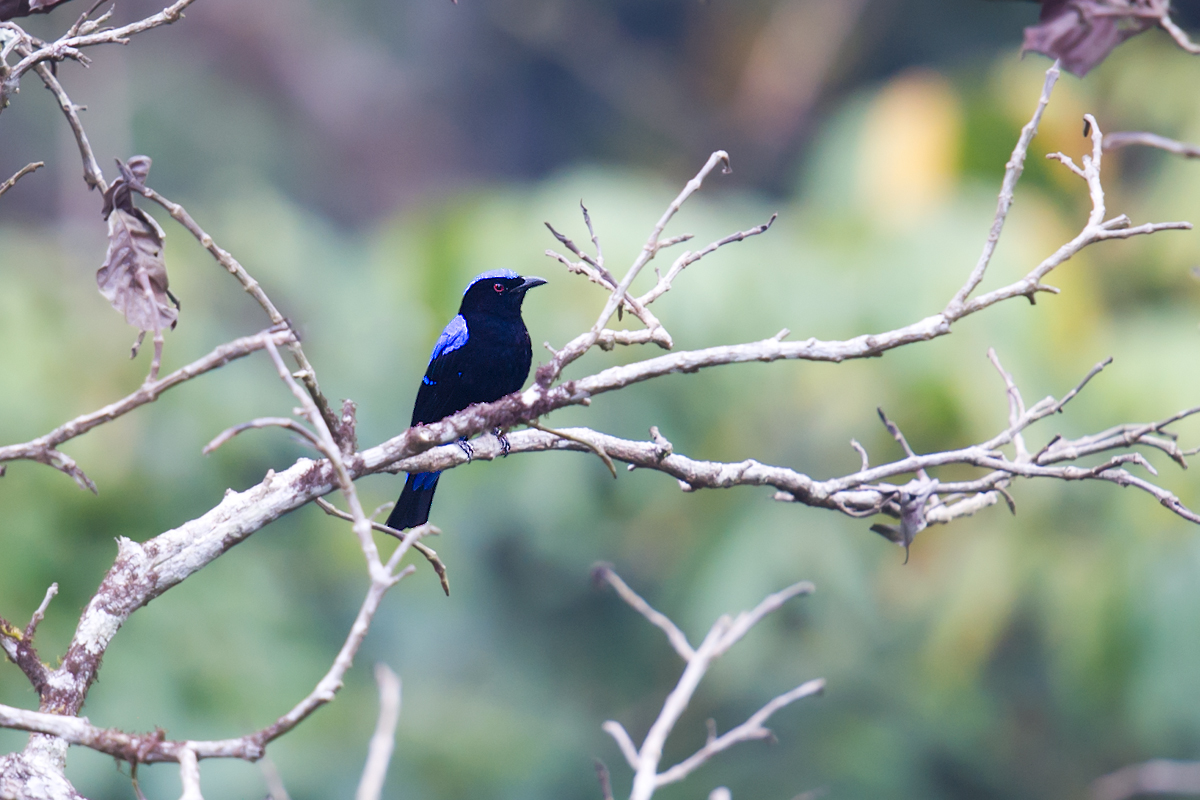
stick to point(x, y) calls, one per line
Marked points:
point(10, 9)
point(1083, 32)
point(134, 277)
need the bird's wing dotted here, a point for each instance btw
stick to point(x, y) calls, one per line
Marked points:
point(438, 395)
point(452, 337)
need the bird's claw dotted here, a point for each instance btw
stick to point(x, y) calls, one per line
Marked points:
point(468, 451)
point(505, 447)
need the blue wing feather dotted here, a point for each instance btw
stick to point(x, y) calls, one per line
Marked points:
point(454, 336)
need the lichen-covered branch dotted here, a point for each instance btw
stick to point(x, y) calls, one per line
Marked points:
point(908, 488)
point(155, 747)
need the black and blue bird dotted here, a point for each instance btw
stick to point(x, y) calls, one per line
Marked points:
point(481, 356)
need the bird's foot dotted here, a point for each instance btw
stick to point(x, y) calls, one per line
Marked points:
point(505, 447)
point(465, 446)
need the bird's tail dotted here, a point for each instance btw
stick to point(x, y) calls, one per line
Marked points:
point(412, 509)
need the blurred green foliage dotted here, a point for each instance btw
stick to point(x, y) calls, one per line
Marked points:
point(1012, 657)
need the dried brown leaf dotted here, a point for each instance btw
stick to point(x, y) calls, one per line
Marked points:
point(1083, 32)
point(134, 277)
point(9, 9)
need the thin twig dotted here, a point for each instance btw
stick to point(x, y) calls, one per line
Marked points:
point(894, 430)
point(687, 259)
point(548, 373)
point(306, 373)
point(430, 554)
point(1177, 33)
point(21, 173)
point(595, 448)
point(262, 422)
point(862, 452)
point(1114, 141)
point(68, 46)
point(275, 788)
point(752, 729)
point(383, 741)
point(724, 633)
point(44, 448)
point(40, 613)
point(656, 618)
point(605, 780)
point(92, 175)
point(1016, 404)
point(1071, 394)
point(1159, 776)
point(330, 448)
point(1012, 174)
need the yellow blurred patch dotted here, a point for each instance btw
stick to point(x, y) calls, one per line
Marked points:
point(976, 606)
point(910, 147)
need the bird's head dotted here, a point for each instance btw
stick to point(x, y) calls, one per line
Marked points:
point(499, 291)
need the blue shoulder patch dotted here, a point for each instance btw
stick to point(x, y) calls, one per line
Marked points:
point(494, 273)
point(453, 336)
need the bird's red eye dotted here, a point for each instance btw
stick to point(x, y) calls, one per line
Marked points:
point(499, 287)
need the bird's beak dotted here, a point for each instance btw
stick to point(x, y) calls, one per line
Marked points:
point(529, 283)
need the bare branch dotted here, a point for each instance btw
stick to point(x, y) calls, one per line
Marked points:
point(262, 422)
point(595, 448)
point(69, 46)
point(1177, 33)
point(687, 259)
point(1151, 777)
point(18, 647)
point(659, 620)
point(430, 554)
point(652, 246)
point(605, 780)
point(1114, 141)
point(724, 633)
point(1016, 404)
point(1096, 229)
point(85, 23)
point(894, 430)
point(628, 748)
point(595, 271)
point(151, 748)
point(44, 448)
point(750, 730)
point(383, 742)
point(584, 342)
point(861, 493)
point(40, 613)
point(306, 373)
point(189, 775)
point(1093, 373)
point(21, 173)
point(275, 788)
point(599, 262)
point(92, 175)
point(862, 452)
point(328, 445)
point(1012, 174)
point(748, 619)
